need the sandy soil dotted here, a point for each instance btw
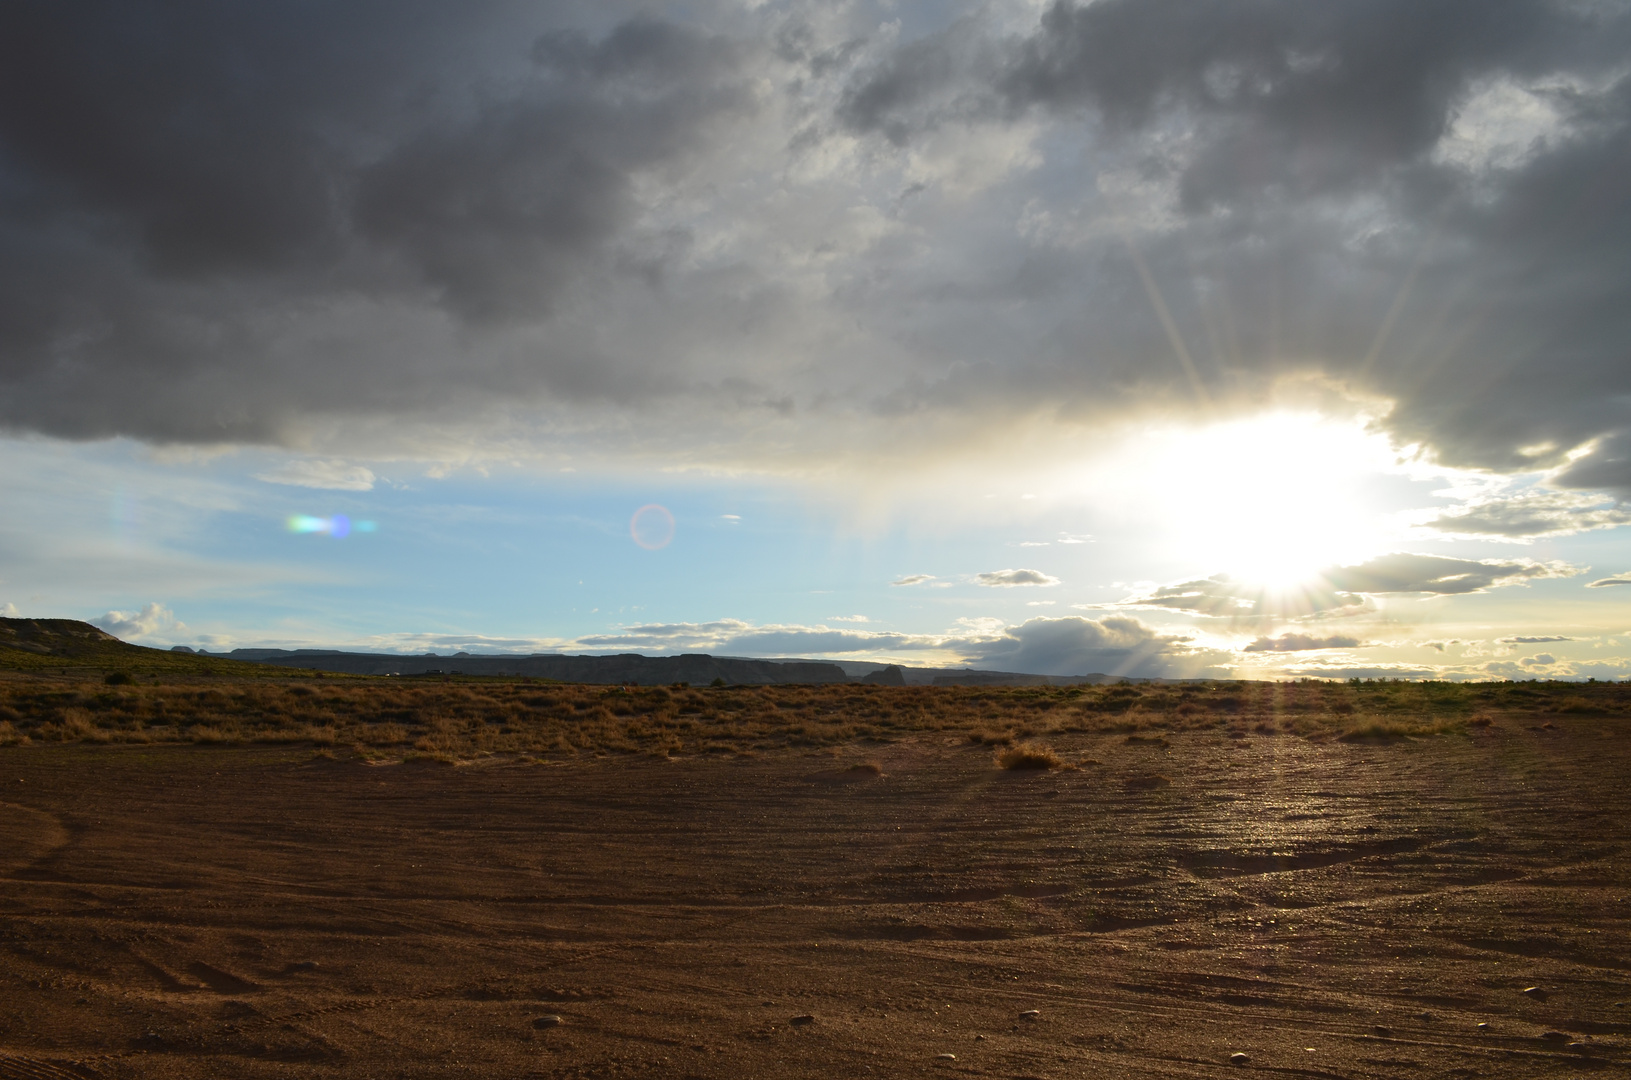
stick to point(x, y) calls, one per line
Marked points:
point(1327, 909)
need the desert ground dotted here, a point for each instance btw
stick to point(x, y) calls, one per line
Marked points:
point(1327, 901)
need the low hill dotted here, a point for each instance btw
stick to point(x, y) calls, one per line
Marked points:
point(49, 646)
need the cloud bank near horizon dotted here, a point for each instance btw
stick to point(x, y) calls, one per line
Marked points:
point(767, 231)
point(1346, 590)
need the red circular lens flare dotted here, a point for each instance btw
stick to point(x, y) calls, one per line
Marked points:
point(652, 526)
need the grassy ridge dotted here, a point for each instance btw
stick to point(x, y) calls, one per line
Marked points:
point(451, 718)
point(67, 646)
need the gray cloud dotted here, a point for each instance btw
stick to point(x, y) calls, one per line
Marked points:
point(913, 579)
point(1004, 579)
point(1532, 640)
point(1533, 513)
point(723, 228)
point(1603, 583)
point(1438, 574)
point(1301, 643)
point(1228, 140)
point(1113, 646)
point(218, 222)
point(1343, 589)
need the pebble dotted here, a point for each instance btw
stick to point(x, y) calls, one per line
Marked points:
point(547, 1021)
point(1483, 1025)
point(979, 1038)
point(1535, 992)
point(945, 1057)
point(1382, 1031)
point(1579, 1047)
point(803, 1018)
point(1237, 1058)
point(1031, 1014)
point(1556, 1036)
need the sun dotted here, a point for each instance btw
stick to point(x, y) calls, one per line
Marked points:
point(1270, 500)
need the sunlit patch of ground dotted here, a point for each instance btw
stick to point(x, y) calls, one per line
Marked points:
point(1325, 906)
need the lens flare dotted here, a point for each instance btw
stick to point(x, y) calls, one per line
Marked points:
point(339, 526)
point(652, 526)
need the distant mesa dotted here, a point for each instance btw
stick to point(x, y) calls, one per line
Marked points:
point(40, 644)
point(628, 669)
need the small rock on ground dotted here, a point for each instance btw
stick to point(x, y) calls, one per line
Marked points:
point(547, 1021)
point(1237, 1058)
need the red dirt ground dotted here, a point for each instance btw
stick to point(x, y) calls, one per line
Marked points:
point(1328, 909)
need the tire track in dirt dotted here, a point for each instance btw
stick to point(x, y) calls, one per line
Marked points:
point(28, 836)
point(18, 1067)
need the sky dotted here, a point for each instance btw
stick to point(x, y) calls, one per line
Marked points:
point(1159, 338)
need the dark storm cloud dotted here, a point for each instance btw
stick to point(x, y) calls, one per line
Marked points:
point(499, 212)
point(187, 190)
point(1354, 192)
point(221, 221)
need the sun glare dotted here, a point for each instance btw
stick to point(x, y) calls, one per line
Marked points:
point(1268, 500)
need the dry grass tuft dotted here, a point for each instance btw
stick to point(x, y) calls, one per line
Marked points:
point(1029, 756)
point(465, 718)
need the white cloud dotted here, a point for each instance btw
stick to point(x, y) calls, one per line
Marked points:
point(848, 618)
point(9, 611)
point(1005, 579)
point(152, 619)
point(913, 579)
point(314, 473)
